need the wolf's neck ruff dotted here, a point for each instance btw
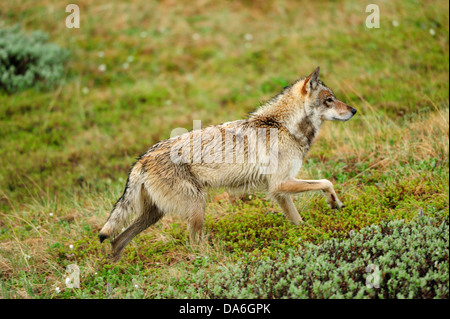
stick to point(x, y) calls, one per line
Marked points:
point(288, 109)
point(307, 132)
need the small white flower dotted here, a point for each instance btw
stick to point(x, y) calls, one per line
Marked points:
point(85, 90)
point(101, 54)
point(126, 65)
point(51, 214)
point(395, 23)
point(27, 256)
point(136, 286)
point(130, 58)
point(143, 34)
point(102, 67)
point(432, 32)
point(195, 36)
point(38, 227)
point(248, 37)
point(71, 246)
point(57, 290)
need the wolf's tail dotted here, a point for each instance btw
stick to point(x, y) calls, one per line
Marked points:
point(129, 206)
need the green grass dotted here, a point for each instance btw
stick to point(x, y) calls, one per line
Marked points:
point(65, 153)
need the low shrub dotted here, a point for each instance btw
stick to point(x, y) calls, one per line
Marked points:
point(392, 260)
point(29, 60)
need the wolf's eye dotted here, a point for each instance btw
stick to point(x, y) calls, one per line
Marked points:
point(329, 100)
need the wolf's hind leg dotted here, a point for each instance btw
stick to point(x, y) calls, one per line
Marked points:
point(195, 222)
point(145, 220)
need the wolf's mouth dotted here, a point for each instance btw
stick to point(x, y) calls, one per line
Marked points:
point(341, 119)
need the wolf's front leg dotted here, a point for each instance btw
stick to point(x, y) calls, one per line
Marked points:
point(287, 205)
point(299, 186)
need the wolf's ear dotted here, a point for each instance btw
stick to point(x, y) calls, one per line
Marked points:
point(311, 82)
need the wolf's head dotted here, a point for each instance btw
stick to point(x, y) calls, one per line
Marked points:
point(320, 102)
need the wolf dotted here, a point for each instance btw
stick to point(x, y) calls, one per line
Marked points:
point(261, 153)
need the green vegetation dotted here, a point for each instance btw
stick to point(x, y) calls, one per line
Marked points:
point(29, 61)
point(407, 261)
point(65, 152)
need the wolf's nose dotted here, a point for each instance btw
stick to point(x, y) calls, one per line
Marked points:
point(353, 111)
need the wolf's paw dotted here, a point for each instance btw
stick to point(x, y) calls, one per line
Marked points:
point(339, 204)
point(336, 204)
point(115, 257)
